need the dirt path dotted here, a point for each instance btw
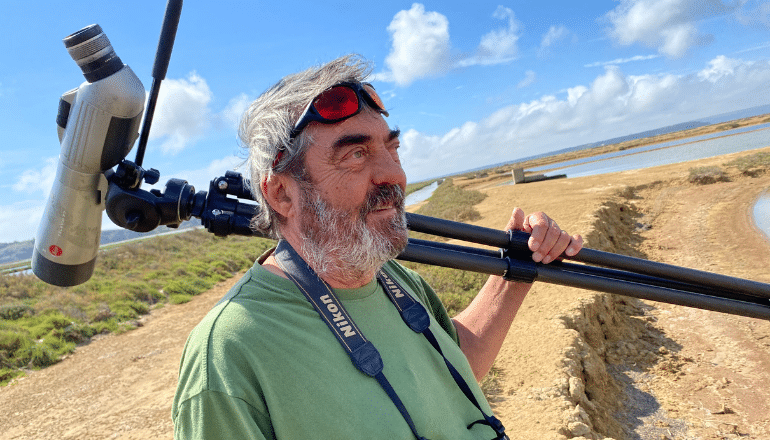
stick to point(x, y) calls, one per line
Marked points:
point(117, 387)
point(576, 363)
point(720, 379)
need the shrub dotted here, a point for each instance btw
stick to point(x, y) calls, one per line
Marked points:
point(8, 374)
point(10, 342)
point(75, 332)
point(127, 310)
point(455, 288)
point(108, 326)
point(13, 312)
point(180, 298)
point(179, 287)
point(39, 356)
point(707, 175)
point(141, 291)
point(752, 165)
point(100, 312)
point(43, 324)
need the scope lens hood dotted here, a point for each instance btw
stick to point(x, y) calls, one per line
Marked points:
point(92, 51)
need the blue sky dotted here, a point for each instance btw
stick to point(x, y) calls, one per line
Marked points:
point(468, 83)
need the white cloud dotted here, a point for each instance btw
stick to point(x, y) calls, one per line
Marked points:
point(497, 46)
point(182, 114)
point(752, 49)
point(200, 178)
point(421, 46)
point(668, 25)
point(613, 104)
point(20, 221)
point(554, 35)
point(529, 78)
point(760, 16)
point(235, 108)
point(38, 180)
point(617, 61)
point(719, 67)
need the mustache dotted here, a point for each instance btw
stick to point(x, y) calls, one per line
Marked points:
point(383, 195)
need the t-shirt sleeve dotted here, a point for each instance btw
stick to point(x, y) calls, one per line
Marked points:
point(215, 397)
point(213, 415)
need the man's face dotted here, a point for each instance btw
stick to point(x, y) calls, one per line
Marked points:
point(352, 215)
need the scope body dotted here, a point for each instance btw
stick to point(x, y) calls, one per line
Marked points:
point(98, 124)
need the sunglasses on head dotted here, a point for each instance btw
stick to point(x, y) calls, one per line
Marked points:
point(339, 103)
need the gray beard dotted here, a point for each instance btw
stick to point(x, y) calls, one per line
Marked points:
point(340, 244)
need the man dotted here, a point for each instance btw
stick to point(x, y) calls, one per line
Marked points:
point(273, 359)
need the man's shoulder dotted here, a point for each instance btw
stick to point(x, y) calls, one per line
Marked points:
point(238, 329)
point(257, 297)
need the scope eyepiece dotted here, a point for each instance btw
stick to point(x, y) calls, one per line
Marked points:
point(92, 51)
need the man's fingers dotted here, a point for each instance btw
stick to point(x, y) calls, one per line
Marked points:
point(547, 240)
point(516, 222)
point(539, 226)
point(576, 243)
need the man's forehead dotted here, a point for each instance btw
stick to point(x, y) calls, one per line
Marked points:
point(360, 129)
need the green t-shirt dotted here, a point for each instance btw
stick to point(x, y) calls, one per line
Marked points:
point(263, 365)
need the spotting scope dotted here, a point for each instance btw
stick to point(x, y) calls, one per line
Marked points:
point(98, 123)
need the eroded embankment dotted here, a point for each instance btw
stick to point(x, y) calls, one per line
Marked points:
point(613, 338)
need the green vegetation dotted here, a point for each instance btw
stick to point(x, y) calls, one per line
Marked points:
point(451, 202)
point(40, 323)
point(412, 187)
point(455, 288)
point(707, 175)
point(752, 165)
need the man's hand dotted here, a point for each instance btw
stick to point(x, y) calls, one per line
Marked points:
point(547, 241)
point(483, 325)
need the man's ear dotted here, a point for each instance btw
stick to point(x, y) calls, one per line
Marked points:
point(281, 193)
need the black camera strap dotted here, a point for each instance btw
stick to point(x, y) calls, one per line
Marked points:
point(361, 351)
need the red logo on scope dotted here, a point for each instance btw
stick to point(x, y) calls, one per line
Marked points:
point(55, 250)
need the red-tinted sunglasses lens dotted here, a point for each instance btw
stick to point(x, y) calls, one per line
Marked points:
point(374, 97)
point(336, 103)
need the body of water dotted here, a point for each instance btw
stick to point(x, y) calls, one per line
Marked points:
point(722, 142)
point(700, 147)
point(421, 194)
point(762, 213)
point(655, 156)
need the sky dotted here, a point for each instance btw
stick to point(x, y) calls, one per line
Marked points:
point(469, 84)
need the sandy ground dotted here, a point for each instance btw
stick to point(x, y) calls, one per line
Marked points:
point(576, 363)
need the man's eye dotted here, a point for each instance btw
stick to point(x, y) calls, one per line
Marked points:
point(358, 154)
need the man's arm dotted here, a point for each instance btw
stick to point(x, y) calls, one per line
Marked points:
point(483, 325)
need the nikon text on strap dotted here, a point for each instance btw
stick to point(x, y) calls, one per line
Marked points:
point(361, 351)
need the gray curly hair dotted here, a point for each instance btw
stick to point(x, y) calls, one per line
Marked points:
point(266, 126)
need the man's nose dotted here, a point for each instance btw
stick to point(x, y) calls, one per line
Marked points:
point(387, 169)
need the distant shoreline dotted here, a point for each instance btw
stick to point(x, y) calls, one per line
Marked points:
point(504, 170)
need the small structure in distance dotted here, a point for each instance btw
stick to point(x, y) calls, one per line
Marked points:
point(519, 177)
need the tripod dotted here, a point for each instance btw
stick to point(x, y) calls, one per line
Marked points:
point(600, 271)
